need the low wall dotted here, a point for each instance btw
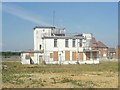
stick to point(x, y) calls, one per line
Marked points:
point(74, 62)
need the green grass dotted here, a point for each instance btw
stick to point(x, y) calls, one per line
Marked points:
point(15, 71)
point(16, 67)
point(79, 83)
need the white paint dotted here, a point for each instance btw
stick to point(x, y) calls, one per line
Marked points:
point(47, 45)
point(24, 60)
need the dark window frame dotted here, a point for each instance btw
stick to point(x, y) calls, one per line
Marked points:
point(40, 46)
point(66, 42)
point(55, 42)
point(73, 42)
point(80, 43)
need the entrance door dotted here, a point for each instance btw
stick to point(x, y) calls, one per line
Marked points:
point(40, 59)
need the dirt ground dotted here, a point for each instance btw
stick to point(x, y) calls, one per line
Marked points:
point(104, 75)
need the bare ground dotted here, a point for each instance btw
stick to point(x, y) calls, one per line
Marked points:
point(104, 75)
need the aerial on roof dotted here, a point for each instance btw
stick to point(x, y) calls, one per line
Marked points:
point(100, 44)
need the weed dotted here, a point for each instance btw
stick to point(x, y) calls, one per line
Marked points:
point(72, 75)
point(42, 84)
point(35, 82)
point(54, 81)
point(65, 80)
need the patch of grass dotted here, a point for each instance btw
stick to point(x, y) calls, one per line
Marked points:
point(7, 78)
point(78, 83)
point(36, 82)
point(74, 82)
point(54, 81)
point(16, 67)
point(19, 81)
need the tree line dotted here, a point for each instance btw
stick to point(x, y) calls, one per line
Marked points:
point(9, 54)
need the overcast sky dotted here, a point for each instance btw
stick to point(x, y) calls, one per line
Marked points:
point(19, 19)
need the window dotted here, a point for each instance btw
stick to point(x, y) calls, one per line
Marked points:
point(80, 43)
point(66, 42)
point(55, 42)
point(40, 47)
point(73, 43)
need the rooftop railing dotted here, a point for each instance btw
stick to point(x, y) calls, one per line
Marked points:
point(58, 31)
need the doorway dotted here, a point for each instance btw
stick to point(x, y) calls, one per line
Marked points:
point(40, 59)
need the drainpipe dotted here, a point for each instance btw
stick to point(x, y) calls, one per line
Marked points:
point(37, 58)
point(60, 58)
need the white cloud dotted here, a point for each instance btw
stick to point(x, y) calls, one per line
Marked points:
point(23, 14)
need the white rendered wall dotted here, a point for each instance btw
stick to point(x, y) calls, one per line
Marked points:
point(88, 38)
point(23, 59)
point(38, 34)
point(49, 45)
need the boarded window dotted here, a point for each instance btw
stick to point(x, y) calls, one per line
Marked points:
point(87, 55)
point(67, 55)
point(55, 55)
point(51, 55)
point(81, 55)
point(101, 52)
point(73, 55)
point(94, 54)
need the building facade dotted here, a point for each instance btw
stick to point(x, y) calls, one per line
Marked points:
point(53, 46)
point(103, 49)
point(117, 49)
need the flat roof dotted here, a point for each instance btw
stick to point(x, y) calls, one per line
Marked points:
point(91, 50)
point(48, 27)
point(43, 27)
point(31, 51)
point(63, 37)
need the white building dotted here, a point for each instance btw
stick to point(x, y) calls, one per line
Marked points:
point(53, 46)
